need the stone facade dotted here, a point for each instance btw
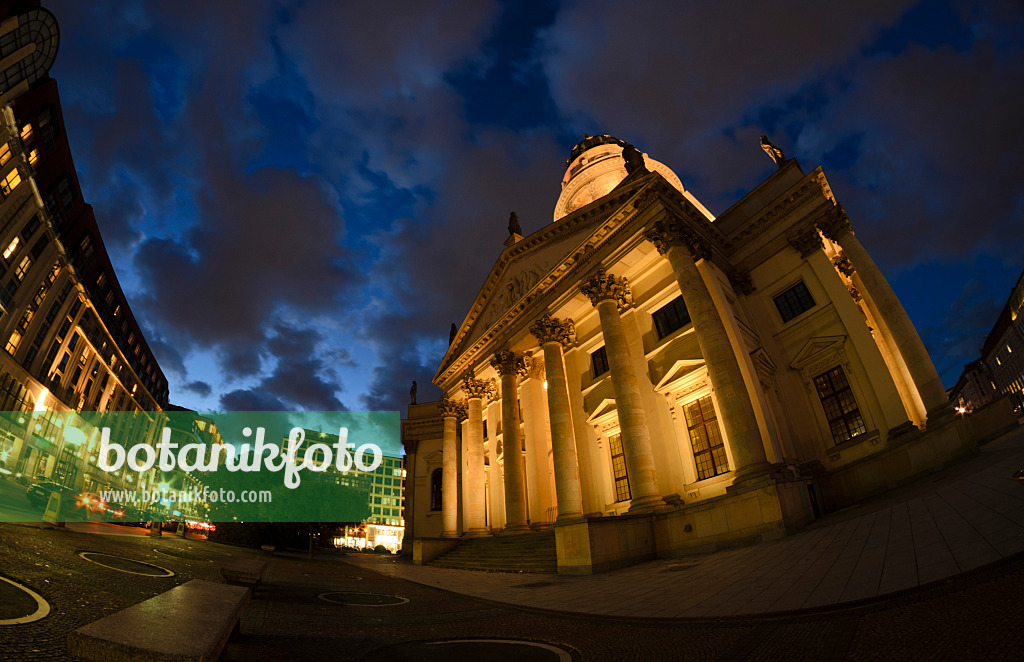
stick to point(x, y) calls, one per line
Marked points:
point(652, 380)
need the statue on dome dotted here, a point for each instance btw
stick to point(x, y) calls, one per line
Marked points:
point(774, 152)
point(513, 225)
point(412, 393)
point(451, 333)
point(633, 158)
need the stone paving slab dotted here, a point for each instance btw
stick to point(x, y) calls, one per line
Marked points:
point(956, 521)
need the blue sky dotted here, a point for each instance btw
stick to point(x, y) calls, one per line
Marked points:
point(300, 197)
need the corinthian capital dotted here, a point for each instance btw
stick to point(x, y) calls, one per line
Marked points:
point(477, 388)
point(509, 363)
point(603, 286)
point(672, 231)
point(551, 329)
point(834, 224)
point(806, 240)
point(452, 408)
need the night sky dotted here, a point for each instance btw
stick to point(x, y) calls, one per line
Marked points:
point(300, 197)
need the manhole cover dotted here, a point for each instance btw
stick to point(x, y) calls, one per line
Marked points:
point(492, 650)
point(126, 565)
point(362, 599)
point(20, 604)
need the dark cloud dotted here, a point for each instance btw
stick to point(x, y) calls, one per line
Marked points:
point(310, 193)
point(200, 388)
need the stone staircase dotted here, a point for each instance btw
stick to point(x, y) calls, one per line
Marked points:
point(524, 552)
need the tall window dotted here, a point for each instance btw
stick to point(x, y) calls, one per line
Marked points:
point(794, 301)
point(844, 419)
point(599, 360)
point(619, 468)
point(435, 489)
point(706, 438)
point(671, 317)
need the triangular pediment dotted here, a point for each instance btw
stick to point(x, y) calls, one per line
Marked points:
point(677, 374)
point(815, 349)
point(524, 264)
point(603, 410)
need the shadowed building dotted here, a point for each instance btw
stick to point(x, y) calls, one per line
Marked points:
point(71, 342)
point(652, 380)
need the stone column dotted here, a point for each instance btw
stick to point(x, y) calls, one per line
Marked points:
point(683, 248)
point(510, 365)
point(476, 390)
point(554, 334)
point(451, 412)
point(835, 225)
point(607, 292)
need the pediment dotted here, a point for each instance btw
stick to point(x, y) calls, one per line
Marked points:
point(602, 412)
point(677, 374)
point(816, 349)
point(434, 458)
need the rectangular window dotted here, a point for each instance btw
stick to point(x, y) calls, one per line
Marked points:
point(13, 342)
point(40, 246)
point(844, 419)
point(12, 247)
point(10, 182)
point(599, 360)
point(33, 157)
point(622, 492)
point(671, 317)
point(23, 267)
point(26, 132)
point(67, 194)
point(794, 301)
point(705, 438)
point(30, 228)
point(5, 154)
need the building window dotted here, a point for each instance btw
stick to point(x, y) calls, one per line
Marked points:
point(706, 438)
point(671, 317)
point(794, 301)
point(622, 492)
point(435, 489)
point(599, 360)
point(13, 342)
point(23, 267)
point(10, 182)
point(12, 247)
point(844, 419)
point(5, 154)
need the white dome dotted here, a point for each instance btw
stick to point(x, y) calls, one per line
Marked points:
point(596, 167)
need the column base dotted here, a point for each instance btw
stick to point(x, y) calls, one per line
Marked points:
point(570, 518)
point(478, 533)
point(450, 534)
point(517, 528)
point(539, 526)
point(751, 474)
point(645, 503)
point(940, 414)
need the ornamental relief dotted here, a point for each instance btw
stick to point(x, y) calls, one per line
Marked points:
point(512, 291)
point(692, 388)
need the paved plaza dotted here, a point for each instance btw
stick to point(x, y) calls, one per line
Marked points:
point(934, 570)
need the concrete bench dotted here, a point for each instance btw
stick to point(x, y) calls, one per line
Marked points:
point(189, 623)
point(243, 571)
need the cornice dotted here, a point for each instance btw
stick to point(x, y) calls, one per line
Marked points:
point(812, 186)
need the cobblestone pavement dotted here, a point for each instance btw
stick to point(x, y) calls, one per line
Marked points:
point(947, 524)
point(974, 617)
point(973, 613)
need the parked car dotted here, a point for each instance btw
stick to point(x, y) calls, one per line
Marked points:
point(39, 493)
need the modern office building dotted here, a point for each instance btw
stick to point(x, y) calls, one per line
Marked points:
point(649, 379)
point(70, 340)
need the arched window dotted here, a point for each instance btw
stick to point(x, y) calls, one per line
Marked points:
point(435, 489)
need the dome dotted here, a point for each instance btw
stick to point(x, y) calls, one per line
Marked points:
point(595, 167)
